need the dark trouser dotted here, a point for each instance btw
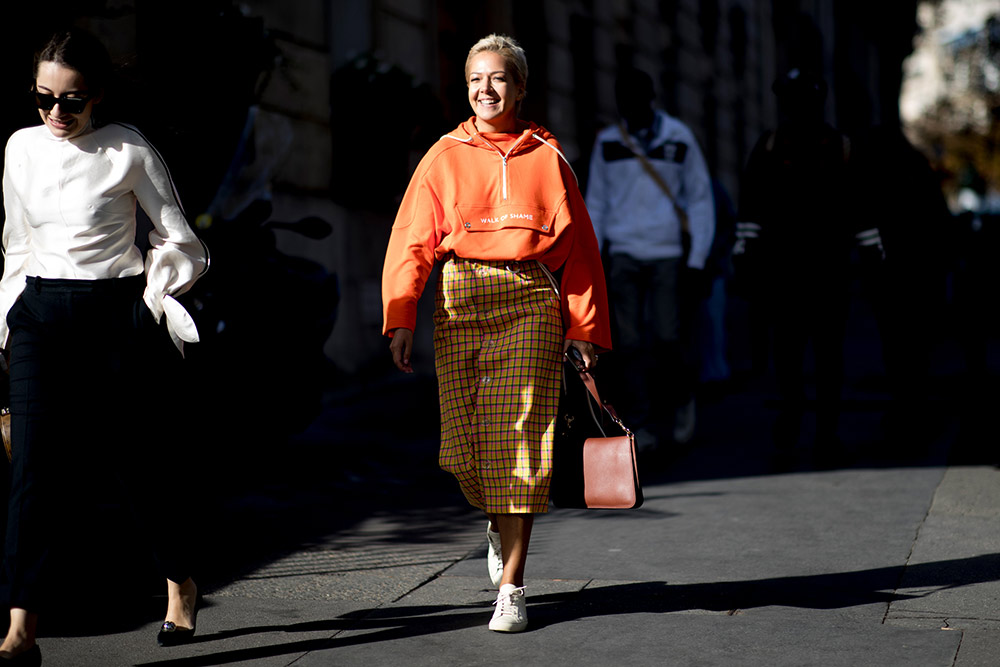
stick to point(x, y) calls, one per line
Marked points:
point(647, 309)
point(89, 381)
point(797, 322)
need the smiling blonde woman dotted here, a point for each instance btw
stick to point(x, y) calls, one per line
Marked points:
point(497, 204)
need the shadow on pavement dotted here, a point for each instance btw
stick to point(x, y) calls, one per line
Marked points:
point(825, 591)
point(373, 450)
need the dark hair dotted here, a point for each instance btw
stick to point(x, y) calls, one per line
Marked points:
point(635, 84)
point(78, 50)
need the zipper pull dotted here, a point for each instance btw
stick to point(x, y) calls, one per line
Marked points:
point(504, 177)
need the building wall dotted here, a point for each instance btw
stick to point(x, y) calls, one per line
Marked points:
point(714, 61)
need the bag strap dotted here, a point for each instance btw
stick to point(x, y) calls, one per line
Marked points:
point(656, 176)
point(552, 278)
point(588, 381)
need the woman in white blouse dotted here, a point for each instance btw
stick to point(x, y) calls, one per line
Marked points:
point(84, 331)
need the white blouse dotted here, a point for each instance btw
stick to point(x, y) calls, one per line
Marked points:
point(70, 206)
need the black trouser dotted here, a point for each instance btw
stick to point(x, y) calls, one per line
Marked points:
point(655, 369)
point(90, 383)
point(645, 299)
point(797, 322)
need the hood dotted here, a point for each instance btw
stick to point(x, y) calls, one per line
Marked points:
point(531, 134)
point(468, 134)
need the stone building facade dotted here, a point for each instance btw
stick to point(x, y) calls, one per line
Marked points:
point(713, 62)
point(356, 90)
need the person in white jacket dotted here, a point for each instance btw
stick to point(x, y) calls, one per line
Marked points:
point(650, 198)
point(87, 329)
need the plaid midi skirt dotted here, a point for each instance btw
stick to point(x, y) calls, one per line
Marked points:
point(498, 340)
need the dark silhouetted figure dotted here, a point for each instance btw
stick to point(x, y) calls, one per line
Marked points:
point(650, 199)
point(798, 224)
point(903, 197)
point(710, 334)
point(975, 231)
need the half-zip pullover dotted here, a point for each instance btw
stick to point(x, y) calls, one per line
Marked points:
point(504, 139)
point(458, 201)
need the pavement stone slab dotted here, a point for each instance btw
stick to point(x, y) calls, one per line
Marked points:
point(979, 648)
point(374, 561)
point(572, 630)
point(363, 561)
point(476, 591)
point(234, 630)
point(952, 578)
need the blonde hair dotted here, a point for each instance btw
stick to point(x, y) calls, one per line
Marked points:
point(509, 50)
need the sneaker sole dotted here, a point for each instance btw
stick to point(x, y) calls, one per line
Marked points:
point(520, 627)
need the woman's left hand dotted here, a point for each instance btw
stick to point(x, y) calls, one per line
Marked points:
point(586, 351)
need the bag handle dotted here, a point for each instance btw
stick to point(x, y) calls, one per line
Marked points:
point(588, 381)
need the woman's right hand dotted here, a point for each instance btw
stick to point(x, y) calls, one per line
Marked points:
point(401, 347)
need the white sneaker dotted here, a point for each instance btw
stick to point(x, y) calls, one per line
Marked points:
point(510, 614)
point(494, 556)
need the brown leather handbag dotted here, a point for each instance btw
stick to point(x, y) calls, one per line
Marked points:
point(592, 470)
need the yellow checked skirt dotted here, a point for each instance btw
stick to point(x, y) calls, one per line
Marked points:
point(498, 341)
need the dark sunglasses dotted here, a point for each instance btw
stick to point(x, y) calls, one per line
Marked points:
point(68, 104)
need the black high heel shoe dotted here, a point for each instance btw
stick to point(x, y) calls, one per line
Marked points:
point(171, 635)
point(30, 658)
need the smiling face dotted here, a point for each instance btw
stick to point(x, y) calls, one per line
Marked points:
point(493, 92)
point(61, 81)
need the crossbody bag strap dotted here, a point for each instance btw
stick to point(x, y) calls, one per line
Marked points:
point(552, 278)
point(656, 176)
point(588, 381)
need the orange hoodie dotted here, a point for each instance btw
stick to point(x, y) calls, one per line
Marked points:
point(497, 197)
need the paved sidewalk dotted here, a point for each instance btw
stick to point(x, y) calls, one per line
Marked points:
point(728, 563)
point(348, 546)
